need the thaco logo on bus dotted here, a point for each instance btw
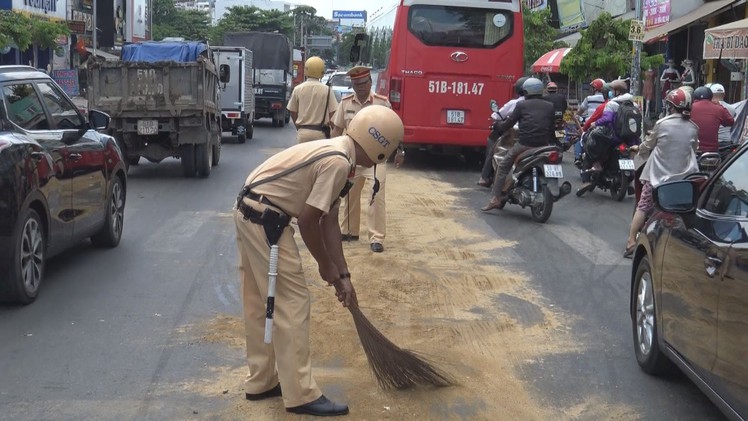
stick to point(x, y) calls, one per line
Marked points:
point(456, 88)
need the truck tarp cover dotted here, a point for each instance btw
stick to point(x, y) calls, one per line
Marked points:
point(152, 52)
point(269, 50)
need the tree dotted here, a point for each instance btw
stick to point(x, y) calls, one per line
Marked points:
point(604, 51)
point(14, 30)
point(29, 31)
point(539, 35)
point(168, 21)
point(44, 34)
point(251, 18)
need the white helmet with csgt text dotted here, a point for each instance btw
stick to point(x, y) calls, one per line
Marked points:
point(378, 130)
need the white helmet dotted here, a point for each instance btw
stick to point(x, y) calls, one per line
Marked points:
point(378, 130)
point(717, 88)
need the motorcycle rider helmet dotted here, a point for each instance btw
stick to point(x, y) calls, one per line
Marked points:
point(702, 92)
point(533, 87)
point(518, 85)
point(680, 99)
point(551, 87)
point(378, 130)
point(597, 84)
point(716, 88)
point(314, 67)
point(687, 89)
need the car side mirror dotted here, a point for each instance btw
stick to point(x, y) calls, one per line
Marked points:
point(224, 73)
point(98, 120)
point(676, 196)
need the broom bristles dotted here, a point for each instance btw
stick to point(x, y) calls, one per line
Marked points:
point(393, 366)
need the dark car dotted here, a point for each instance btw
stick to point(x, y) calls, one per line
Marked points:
point(689, 285)
point(61, 181)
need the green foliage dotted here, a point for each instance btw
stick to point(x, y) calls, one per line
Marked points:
point(653, 62)
point(539, 35)
point(25, 31)
point(604, 51)
point(44, 33)
point(251, 18)
point(168, 21)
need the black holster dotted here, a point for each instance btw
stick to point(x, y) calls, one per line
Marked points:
point(272, 221)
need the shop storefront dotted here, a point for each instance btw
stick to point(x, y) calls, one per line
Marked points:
point(55, 10)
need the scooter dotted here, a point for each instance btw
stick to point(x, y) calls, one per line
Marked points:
point(535, 180)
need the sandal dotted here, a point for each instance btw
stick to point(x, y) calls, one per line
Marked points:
point(483, 183)
point(629, 252)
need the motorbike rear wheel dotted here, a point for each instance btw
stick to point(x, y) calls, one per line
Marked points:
point(542, 212)
point(619, 188)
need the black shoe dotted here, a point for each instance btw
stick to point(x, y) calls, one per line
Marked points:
point(349, 237)
point(322, 407)
point(377, 247)
point(276, 391)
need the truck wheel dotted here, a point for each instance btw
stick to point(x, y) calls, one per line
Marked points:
point(204, 157)
point(250, 130)
point(187, 155)
point(242, 138)
point(217, 151)
point(276, 123)
point(287, 118)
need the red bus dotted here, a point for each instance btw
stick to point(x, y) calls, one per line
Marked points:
point(440, 63)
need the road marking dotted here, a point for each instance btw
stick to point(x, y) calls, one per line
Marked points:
point(593, 248)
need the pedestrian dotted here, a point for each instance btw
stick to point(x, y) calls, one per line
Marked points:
point(304, 182)
point(348, 108)
point(709, 116)
point(668, 153)
point(312, 104)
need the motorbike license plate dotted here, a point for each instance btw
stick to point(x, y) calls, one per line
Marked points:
point(626, 164)
point(553, 171)
point(455, 117)
point(146, 127)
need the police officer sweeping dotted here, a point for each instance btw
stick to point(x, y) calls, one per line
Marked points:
point(306, 182)
point(351, 207)
point(312, 104)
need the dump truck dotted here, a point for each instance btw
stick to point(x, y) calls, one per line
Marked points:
point(163, 99)
point(273, 63)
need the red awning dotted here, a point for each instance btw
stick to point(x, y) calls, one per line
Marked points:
point(550, 62)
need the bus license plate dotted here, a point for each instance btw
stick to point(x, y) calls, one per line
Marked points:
point(553, 171)
point(146, 127)
point(626, 164)
point(455, 117)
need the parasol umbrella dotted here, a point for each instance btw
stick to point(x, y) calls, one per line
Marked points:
point(550, 62)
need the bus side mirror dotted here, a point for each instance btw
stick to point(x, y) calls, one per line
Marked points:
point(224, 73)
point(359, 41)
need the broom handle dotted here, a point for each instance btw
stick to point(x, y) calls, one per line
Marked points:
point(270, 309)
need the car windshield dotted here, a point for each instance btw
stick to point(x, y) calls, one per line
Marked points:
point(340, 80)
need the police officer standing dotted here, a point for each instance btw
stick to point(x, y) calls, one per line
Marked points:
point(305, 182)
point(312, 103)
point(351, 208)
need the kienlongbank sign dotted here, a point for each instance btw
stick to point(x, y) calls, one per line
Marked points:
point(51, 9)
point(726, 44)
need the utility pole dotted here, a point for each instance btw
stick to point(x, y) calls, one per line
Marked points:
point(636, 62)
point(93, 41)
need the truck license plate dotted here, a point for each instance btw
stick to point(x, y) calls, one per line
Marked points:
point(626, 164)
point(455, 117)
point(146, 127)
point(553, 171)
point(259, 91)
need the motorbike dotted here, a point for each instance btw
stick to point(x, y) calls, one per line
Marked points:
point(534, 180)
point(616, 174)
point(710, 161)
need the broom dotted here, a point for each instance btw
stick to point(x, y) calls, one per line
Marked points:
point(393, 366)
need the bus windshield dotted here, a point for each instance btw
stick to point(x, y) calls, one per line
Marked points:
point(449, 26)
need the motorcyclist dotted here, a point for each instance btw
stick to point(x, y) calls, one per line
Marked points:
point(718, 97)
point(487, 174)
point(591, 102)
point(559, 102)
point(607, 94)
point(535, 118)
point(709, 116)
point(620, 94)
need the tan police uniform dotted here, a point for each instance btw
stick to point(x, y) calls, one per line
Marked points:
point(287, 359)
point(351, 206)
point(308, 100)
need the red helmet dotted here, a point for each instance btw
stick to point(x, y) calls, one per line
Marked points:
point(597, 84)
point(679, 99)
point(551, 86)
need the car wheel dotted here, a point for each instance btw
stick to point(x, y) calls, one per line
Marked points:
point(204, 155)
point(111, 232)
point(26, 261)
point(644, 323)
point(187, 156)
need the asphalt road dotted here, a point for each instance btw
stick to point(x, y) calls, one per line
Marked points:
point(110, 335)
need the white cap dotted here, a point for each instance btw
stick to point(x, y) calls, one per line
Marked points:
point(717, 88)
